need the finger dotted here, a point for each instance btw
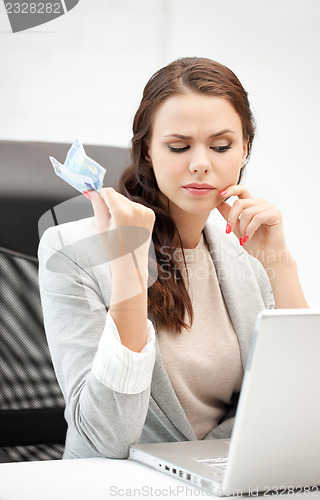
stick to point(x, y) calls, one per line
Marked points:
point(269, 217)
point(235, 190)
point(101, 211)
point(224, 208)
point(233, 215)
point(107, 198)
point(119, 206)
point(116, 202)
point(240, 208)
point(248, 214)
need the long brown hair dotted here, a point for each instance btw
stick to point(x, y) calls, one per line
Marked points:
point(168, 298)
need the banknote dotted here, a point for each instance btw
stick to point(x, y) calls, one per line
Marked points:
point(78, 170)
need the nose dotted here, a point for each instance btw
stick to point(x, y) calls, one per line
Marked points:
point(200, 162)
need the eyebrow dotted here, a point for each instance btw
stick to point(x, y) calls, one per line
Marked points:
point(187, 137)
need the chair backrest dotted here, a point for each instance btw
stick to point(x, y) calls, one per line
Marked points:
point(32, 426)
point(31, 403)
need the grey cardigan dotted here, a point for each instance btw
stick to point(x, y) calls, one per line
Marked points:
point(102, 422)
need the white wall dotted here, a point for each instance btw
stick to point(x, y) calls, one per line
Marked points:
point(83, 75)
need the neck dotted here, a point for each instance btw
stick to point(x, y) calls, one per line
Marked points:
point(190, 230)
point(189, 241)
point(190, 226)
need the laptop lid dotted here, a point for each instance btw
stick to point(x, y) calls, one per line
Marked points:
point(276, 437)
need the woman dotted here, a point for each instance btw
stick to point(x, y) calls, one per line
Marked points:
point(141, 363)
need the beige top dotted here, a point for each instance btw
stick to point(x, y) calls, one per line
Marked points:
point(203, 363)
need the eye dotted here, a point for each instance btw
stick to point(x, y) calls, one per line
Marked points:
point(178, 150)
point(222, 149)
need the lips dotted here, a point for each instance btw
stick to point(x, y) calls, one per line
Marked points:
point(198, 189)
point(198, 186)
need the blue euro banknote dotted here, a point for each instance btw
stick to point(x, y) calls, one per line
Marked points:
point(80, 171)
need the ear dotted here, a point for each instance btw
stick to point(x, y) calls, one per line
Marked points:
point(147, 155)
point(245, 152)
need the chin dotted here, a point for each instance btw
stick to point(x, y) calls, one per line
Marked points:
point(194, 212)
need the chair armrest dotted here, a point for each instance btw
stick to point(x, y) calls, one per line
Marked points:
point(32, 427)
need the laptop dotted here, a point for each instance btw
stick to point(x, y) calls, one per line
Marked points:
point(275, 443)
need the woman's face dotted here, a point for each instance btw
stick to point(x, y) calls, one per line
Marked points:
point(196, 138)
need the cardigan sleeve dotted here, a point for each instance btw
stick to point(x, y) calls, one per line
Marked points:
point(103, 404)
point(118, 367)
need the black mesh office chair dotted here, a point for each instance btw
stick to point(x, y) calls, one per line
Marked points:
point(32, 425)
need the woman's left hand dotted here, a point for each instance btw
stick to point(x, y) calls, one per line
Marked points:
point(256, 223)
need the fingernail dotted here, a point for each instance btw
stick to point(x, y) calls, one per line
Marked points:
point(228, 228)
point(223, 192)
point(87, 195)
point(243, 240)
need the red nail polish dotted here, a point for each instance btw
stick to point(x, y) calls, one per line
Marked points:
point(243, 240)
point(223, 192)
point(87, 195)
point(228, 228)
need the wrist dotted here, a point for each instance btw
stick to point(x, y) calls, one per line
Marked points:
point(128, 278)
point(285, 264)
point(274, 271)
point(273, 257)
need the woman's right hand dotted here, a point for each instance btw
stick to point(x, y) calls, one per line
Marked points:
point(114, 214)
point(112, 210)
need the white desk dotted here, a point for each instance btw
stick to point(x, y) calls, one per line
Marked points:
point(89, 479)
point(96, 479)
